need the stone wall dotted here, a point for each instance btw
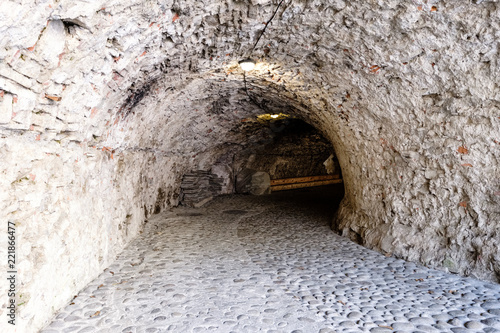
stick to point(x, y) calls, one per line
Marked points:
point(295, 150)
point(104, 103)
point(199, 187)
point(74, 209)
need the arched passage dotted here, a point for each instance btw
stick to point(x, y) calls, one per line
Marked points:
point(105, 106)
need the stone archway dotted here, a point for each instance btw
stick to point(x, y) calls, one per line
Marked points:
point(103, 108)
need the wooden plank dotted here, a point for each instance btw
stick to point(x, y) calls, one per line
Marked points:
point(302, 179)
point(302, 185)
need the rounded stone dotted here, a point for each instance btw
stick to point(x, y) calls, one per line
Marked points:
point(442, 317)
point(380, 330)
point(422, 321)
point(427, 328)
point(354, 315)
point(459, 330)
point(347, 323)
point(492, 322)
point(327, 330)
point(402, 326)
point(455, 322)
point(473, 325)
point(491, 305)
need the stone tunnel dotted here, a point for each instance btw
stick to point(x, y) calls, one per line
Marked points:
point(106, 105)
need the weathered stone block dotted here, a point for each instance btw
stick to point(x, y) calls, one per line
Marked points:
point(260, 183)
point(20, 79)
point(51, 43)
point(42, 119)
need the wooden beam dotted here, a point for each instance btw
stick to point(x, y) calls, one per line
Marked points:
point(275, 188)
point(302, 179)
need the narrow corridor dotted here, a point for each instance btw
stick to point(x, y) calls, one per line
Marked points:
point(270, 264)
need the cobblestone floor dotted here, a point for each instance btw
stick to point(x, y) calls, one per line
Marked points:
point(270, 264)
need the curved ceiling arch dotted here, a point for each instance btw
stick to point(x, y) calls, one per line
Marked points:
point(104, 105)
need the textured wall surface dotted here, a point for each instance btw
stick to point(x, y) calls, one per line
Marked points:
point(296, 150)
point(105, 104)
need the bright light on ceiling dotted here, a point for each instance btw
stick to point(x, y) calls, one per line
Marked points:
point(247, 64)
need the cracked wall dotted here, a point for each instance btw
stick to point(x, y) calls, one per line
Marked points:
point(105, 104)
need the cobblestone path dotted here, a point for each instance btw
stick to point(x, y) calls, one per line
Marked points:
point(270, 264)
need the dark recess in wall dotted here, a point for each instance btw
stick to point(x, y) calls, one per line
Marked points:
point(295, 149)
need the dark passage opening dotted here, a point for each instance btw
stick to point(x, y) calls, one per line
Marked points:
point(320, 202)
point(292, 155)
point(281, 153)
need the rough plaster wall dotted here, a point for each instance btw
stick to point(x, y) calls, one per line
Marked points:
point(407, 92)
point(74, 210)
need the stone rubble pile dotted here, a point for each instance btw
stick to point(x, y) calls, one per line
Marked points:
point(199, 187)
